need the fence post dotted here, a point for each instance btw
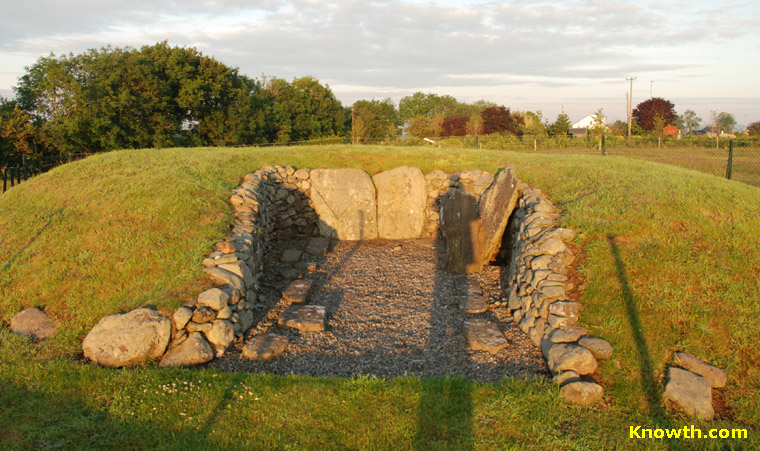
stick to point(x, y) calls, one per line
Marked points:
point(730, 166)
point(535, 145)
point(25, 169)
point(477, 143)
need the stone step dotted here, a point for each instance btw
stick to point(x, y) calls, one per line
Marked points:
point(306, 318)
point(317, 246)
point(473, 303)
point(291, 256)
point(298, 291)
point(483, 335)
point(265, 346)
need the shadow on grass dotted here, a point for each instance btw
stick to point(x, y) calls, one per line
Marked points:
point(15, 256)
point(33, 418)
point(444, 415)
point(646, 367)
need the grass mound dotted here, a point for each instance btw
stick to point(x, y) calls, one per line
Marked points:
point(670, 260)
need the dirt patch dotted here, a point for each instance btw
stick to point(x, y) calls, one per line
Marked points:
point(392, 310)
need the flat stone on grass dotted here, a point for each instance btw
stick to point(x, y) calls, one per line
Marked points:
point(473, 303)
point(691, 392)
point(306, 318)
point(265, 347)
point(33, 322)
point(713, 374)
point(582, 393)
point(483, 335)
point(298, 291)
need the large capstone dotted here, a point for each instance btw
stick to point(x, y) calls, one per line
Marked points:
point(401, 197)
point(121, 340)
point(344, 200)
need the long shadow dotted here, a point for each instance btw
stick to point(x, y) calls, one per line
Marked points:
point(444, 413)
point(646, 367)
point(44, 227)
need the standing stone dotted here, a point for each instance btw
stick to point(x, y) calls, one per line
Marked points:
point(691, 392)
point(344, 200)
point(195, 350)
point(265, 347)
point(34, 323)
point(495, 207)
point(462, 232)
point(120, 340)
point(401, 197)
point(483, 335)
point(713, 374)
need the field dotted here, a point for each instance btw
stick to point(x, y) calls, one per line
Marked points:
point(670, 260)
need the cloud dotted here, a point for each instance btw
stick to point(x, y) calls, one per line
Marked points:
point(554, 49)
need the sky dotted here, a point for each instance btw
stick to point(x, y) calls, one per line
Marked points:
point(526, 55)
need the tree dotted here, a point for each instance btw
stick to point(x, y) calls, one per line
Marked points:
point(690, 120)
point(598, 124)
point(454, 125)
point(561, 125)
point(753, 129)
point(500, 120)
point(726, 121)
point(618, 128)
point(373, 119)
point(475, 124)
point(532, 124)
point(423, 127)
point(646, 111)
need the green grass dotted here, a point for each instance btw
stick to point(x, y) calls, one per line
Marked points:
point(670, 260)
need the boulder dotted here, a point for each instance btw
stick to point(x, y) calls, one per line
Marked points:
point(195, 350)
point(582, 393)
point(564, 357)
point(344, 200)
point(214, 299)
point(598, 346)
point(181, 317)
point(223, 276)
point(265, 347)
point(713, 374)
point(124, 339)
point(34, 323)
point(401, 197)
point(691, 392)
point(221, 333)
point(494, 208)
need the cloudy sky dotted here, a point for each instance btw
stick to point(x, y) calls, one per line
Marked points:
point(527, 55)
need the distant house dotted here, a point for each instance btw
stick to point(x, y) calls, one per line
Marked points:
point(671, 130)
point(578, 132)
point(589, 122)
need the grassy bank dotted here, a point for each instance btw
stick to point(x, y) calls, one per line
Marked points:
point(670, 260)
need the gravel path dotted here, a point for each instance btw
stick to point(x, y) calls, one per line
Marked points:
point(392, 310)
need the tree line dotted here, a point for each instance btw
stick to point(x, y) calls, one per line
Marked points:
point(163, 96)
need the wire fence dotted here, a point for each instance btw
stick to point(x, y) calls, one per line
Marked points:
point(733, 158)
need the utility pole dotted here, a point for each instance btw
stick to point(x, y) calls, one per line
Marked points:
point(630, 104)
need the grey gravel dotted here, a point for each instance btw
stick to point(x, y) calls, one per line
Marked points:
point(390, 312)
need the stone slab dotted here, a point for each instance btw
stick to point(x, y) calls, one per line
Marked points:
point(401, 198)
point(582, 393)
point(494, 208)
point(462, 232)
point(483, 335)
point(291, 256)
point(318, 246)
point(344, 200)
point(265, 347)
point(473, 303)
point(306, 318)
point(298, 291)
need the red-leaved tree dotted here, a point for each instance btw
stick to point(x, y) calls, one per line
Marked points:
point(500, 120)
point(647, 111)
point(455, 126)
